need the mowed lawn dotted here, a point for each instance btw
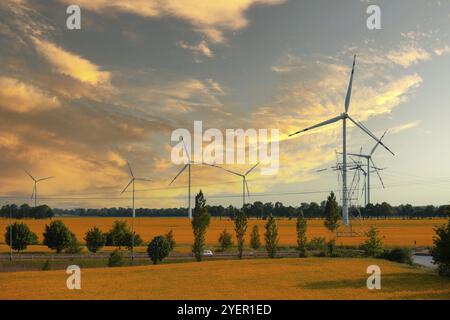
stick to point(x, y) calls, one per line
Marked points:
point(394, 232)
point(311, 278)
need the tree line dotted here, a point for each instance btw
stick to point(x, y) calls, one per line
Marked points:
point(257, 209)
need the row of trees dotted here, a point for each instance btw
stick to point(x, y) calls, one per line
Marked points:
point(257, 210)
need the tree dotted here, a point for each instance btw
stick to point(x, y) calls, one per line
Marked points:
point(57, 236)
point(95, 239)
point(255, 241)
point(271, 236)
point(21, 235)
point(373, 246)
point(171, 240)
point(225, 240)
point(117, 235)
point(129, 242)
point(74, 245)
point(240, 227)
point(332, 213)
point(200, 222)
point(158, 249)
point(115, 259)
point(441, 249)
point(301, 226)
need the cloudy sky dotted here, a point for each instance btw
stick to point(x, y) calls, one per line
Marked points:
point(77, 104)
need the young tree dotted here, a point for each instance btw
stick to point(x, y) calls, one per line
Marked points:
point(441, 249)
point(255, 241)
point(95, 239)
point(200, 222)
point(74, 245)
point(332, 213)
point(115, 259)
point(373, 246)
point(240, 227)
point(57, 236)
point(158, 249)
point(171, 240)
point(21, 236)
point(271, 236)
point(225, 240)
point(117, 235)
point(301, 227)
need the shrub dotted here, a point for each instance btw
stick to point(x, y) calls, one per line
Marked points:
point(398, 255)
point(441, 249)
point(225, 240)
point(171, 240)
point(46, 266)
point(255, 241)
point(95, 239)
point(158, 249)
point(373, 246)
point(115, 259)
point(57, 236)
point(22, 236)
point(317, 243)
point(331, 248)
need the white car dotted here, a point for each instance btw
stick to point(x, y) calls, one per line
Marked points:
point(207, 253)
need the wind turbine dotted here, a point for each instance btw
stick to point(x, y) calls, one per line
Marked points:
point(34, 193)
point(369, 160)
point(188, 166)
point(344, 116)
point(132, 182)
point(244, 179)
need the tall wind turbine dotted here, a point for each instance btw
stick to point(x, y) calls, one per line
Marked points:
point(188, 166)
point(132, 182)
point(244, 180)
point(369, 160)
point(344, 116)
point(36, 181)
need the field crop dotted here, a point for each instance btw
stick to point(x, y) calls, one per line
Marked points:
point(311, 278)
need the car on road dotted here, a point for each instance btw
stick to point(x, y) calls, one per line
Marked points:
point(207, 253)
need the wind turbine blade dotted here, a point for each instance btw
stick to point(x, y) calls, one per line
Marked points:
point(144, 179)
point(216, 166)
point(246, 186)
point(251, 169)
point(378, 143)
point(370, 134)
point(184, 168)
point(127, 186)
point(129, 168)
point(321, 170)
point(378, 173)
point(324, 123)
point(350, 85)
point(29, 175)
point(44, 179)
point(185, 149)
point(32, 193)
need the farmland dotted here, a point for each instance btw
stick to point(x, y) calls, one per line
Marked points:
point(394, 232)
point(311, 278)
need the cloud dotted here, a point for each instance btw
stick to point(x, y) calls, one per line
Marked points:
point(405, 126)
point(21, 97)
point(200, 49)
point(211, 18)
point(71, 64)
point(408, 55)
point(442, 51)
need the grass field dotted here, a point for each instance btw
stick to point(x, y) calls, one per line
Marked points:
point(394, 232)
point(311, 278)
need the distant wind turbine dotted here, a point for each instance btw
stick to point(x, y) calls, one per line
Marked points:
point(344, 116)
point(132, 182)
point(36, 181)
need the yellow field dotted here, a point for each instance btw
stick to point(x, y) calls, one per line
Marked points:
point(311, 278)
point(394, 232)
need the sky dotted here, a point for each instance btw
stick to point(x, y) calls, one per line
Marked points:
point(78, 104)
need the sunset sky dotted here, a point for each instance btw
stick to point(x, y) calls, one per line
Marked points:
point(77, 104)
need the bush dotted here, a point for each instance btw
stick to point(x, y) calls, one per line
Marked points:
point(22, 236)
point(441, 249)
point(398, 255)
point(158, 249)
point(331, 248)
point(255, 241)
point(57, 236)
point(171, 240)
point(317, 243)
point(95, 239)
point(373, 246)
point(115, 259)
point(225, 240)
